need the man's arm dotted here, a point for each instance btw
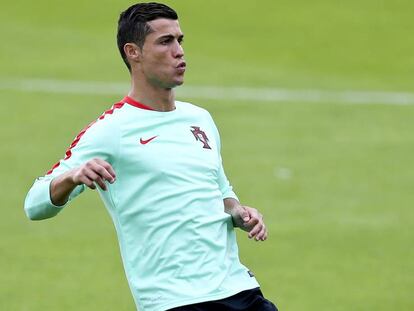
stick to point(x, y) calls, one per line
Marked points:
point(86, 164)
point(246, 218)
point(49, 195)
point(95, 171)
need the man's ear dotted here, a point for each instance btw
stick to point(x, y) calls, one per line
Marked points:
point(133, 52)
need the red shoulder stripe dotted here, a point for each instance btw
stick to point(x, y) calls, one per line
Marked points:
point(68, 153)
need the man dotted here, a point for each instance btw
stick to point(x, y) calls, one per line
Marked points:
point(156, 163)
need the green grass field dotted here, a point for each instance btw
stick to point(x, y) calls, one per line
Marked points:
point(333, 180)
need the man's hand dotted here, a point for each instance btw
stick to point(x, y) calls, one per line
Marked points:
point(246, 218)
point(94, 171)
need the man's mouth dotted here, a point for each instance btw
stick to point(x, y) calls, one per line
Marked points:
point(181, 65)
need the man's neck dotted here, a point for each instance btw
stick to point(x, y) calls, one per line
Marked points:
point(159, 99)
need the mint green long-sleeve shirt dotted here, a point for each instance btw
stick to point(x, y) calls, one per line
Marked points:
point(178, 246)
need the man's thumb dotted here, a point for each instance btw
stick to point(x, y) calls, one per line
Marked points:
point(245, 215)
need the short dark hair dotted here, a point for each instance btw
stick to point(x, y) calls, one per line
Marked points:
point(133, 27)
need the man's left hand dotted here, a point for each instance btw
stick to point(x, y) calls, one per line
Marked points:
point(247, 218)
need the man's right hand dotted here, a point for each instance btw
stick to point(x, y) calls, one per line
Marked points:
point(93, 172)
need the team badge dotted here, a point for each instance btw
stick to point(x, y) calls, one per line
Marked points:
point(200, 136)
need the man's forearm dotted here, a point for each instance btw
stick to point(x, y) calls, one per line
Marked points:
point(61, 187)
point(235, 210)
point(230, 205)
point(44, 199)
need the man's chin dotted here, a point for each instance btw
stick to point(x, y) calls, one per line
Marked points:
point(176, 83)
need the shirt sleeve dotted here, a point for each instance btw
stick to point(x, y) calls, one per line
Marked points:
point(224, 184)
point(99, 140)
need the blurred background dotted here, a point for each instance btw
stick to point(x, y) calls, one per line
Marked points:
point(315, 104)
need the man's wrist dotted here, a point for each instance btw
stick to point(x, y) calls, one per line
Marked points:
point(230, 205)
point(61, 187)
point(234, 209)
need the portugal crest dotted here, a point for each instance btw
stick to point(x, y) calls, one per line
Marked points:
point(200, 136)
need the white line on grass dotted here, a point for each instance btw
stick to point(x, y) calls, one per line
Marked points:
point(217, 92)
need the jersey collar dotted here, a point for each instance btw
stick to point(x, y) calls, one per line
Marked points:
point(134, 103)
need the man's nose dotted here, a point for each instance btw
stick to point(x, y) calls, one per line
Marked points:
point(178, 50)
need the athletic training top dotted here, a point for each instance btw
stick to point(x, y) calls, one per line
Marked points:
point(177, 244)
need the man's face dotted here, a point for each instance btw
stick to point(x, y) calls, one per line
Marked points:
point(162, 61)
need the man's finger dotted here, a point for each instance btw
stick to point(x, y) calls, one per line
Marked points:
point(265, 235)
point(104, 173)
point(256, 229)
point(95, 178)
point(252, 222)
point(260, 236)
point(107, 167)
point(88, 182)
point(101, 183)
point(245, 215)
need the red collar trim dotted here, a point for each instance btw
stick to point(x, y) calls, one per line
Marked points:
point(134, 103)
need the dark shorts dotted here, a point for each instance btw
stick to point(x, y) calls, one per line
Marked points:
point(248, 300)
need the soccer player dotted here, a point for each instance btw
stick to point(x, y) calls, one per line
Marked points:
point(157, 166)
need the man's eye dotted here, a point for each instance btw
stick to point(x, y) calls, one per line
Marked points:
point(166, 41)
